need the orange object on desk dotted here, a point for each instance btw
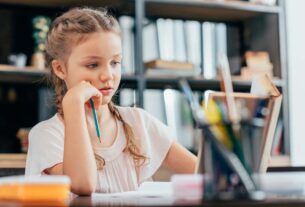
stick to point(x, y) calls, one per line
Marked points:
point(35, 189)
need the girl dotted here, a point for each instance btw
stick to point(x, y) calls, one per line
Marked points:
point(84, 52)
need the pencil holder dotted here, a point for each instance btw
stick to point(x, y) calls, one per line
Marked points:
point(235, 145)
point(228, 169)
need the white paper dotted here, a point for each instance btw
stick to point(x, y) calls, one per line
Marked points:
point(156, 193)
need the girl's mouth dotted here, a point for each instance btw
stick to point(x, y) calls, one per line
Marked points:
point(106, 91)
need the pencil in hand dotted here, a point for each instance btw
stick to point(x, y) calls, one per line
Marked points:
point(97, 126)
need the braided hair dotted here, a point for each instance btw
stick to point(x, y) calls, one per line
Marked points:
point(68, 30)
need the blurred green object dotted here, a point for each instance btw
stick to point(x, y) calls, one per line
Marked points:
point(41, 25)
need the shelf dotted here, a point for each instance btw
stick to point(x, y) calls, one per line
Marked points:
point(9, 74)
point(126, 7)
point(39, 77)
point(12, 160)
point(200, 84)
point(66, 3)
point(228, 11)
point(129, 81)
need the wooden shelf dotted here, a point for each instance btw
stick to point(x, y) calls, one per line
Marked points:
point(125, 7)
point(39, 77)
point(129, 81)
point(227, 11)
point(29, 75)
point(200, 84)
point(22, 75)
point(66, 3)
point(12, 160)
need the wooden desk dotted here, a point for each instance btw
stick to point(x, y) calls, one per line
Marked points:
point(161, 198)
point(86, 201)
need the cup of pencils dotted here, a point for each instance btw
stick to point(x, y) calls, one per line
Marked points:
point(231, 148)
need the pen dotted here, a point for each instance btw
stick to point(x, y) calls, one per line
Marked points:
point(226, 85)
point(97, 127)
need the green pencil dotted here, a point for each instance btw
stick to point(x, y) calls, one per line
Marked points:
point(97, 126)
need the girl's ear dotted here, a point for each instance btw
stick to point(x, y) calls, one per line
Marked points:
point(59, 69)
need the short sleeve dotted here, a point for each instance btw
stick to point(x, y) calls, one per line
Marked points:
point(46, 147)
point(156, 143)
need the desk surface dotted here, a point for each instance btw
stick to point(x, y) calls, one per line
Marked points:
point(88, 201)
point(160, 194)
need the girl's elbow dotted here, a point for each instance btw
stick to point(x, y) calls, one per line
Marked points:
point(83, 190)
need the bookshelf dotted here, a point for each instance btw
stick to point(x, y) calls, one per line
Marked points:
point(258, 27)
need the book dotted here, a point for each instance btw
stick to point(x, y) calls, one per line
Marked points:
point(214, 43)
point(169, 73)
point(158, 193)
point(209, 50)
point(178, 117)
point(150, 41)
point(220, 40)
point(262, 85)
point(127, 24)
point(165, 36)
point(193, 41)
point(278, 138)
point(163, 64)
point(179, 41)
point(169, 68)
point(266, 2)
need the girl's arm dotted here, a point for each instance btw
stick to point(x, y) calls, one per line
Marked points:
point(78, 162)
point(180, 160)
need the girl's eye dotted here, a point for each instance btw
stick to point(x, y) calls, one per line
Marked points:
point(92, 65)
point(115, 63)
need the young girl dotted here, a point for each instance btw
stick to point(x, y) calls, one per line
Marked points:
point(84, 54)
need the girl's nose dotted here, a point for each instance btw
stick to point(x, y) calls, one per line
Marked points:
point(106, 74)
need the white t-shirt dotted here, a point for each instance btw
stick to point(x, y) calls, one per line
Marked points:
point(46, 149)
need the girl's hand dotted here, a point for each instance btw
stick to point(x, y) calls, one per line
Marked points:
point(81, 94)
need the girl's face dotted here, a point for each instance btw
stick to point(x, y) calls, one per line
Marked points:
point(96, 59)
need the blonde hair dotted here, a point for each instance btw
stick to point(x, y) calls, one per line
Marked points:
point(75, 24)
